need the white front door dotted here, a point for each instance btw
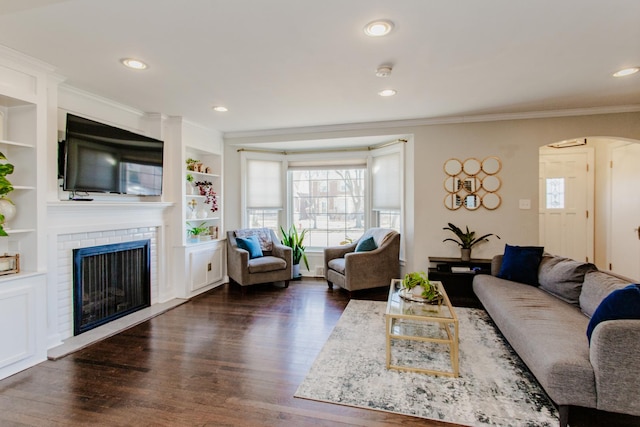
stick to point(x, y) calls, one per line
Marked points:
point(566, 202)
point(625, 211)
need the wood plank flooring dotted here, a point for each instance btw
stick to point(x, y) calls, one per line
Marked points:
point(222, 359)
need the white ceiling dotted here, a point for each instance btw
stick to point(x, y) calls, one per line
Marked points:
point(294, 63)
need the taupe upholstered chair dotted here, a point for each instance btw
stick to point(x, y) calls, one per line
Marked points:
point(273, 266)
point(353, 270)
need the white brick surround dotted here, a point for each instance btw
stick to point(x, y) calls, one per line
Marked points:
point(68, 242)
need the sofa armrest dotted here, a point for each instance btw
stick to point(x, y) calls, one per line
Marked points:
point(284, 252)
point(237, 264)
point(334, 252)
point(496, 263)
point(615, 356)
point(371, 266)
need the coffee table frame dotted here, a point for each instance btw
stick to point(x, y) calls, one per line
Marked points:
point(399, 309)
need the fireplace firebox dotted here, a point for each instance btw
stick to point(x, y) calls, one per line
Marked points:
point(109, 282)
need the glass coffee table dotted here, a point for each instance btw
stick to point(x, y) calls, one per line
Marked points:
point(422, 322)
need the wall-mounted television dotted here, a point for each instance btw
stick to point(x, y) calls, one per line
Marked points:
point(96, 157)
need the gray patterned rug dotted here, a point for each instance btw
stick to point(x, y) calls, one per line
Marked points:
point(494, 387)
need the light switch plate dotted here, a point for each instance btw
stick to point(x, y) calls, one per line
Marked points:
point(524, 204)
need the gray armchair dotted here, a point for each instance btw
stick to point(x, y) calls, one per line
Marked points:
point(273, 266)
point(353, 270)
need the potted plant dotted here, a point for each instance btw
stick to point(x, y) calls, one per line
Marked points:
point(466, 240)
point(418, 284)
point(191, 164)
point(196, 231)
point(206, 189)
point(7, 208)
point(294, 240)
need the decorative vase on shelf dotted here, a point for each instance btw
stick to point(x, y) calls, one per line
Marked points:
point(202, 213)
point(190, 189)
point(7, 209)
point(465, 254)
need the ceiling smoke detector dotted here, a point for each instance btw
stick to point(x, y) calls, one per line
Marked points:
point(384, 71)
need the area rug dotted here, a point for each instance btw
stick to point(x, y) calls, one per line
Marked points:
point(494, 387)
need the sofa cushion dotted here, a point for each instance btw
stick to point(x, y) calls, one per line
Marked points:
point(563, 277)
point(251, 245)
point(366, 245)
point(620, 304)
point(266, 264)
point(597, 285)
point(337, 264)
point(520, 264)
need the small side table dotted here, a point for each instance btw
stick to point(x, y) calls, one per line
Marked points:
point(459, 285)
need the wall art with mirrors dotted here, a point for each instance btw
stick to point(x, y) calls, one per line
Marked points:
point(472, 183)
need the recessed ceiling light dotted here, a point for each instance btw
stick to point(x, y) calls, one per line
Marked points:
point(220, 109)
point(134, 64)
point(378, 28)
point(626, 72)
point(387, 92)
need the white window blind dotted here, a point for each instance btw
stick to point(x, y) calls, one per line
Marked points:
point(386, 182)
point(264, 184)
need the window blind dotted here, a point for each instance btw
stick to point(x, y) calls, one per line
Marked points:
point(264, 184)
point(386, 182)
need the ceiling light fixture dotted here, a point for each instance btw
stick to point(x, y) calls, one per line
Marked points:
point(134, 64)
point(568, 143)
point(220, 109)
point(387, 92)
point(626, 72)
point(384, 71)
point(378, 28)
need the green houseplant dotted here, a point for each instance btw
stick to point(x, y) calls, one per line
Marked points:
point(195, 231)
point(294, 240)
point(5, 188)
point(419, 285)
point(466, 239)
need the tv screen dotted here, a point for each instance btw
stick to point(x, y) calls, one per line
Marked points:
point(106, 159)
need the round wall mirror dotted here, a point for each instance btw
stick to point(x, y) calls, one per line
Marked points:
point(452, 167)
point(491, 165)
point(470, 184)
point(491, 201)
point(471, 166)
point(472, 202)
point(452, 202)
point(452, 184)
point(491, 183)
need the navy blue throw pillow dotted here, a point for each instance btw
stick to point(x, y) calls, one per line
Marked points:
point(366, 245)
point(620, 304)
point(250, 244)
point(520, 264)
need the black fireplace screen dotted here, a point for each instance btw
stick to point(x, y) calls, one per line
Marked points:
point(110, 281)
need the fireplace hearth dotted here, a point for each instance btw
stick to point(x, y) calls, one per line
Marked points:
point(109, 282)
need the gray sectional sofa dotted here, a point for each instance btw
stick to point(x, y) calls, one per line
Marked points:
point(546, 325)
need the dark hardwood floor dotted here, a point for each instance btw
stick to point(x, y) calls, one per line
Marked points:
point(222, 359)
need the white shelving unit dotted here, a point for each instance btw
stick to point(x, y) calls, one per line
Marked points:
point(23, 132)
point(199, 264)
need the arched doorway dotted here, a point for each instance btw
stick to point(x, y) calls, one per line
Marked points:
point(608, 233)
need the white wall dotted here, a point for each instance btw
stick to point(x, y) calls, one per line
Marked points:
point(515, 142)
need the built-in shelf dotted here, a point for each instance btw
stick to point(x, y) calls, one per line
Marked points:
point(24, 187)
point(210, 175)
point(11, 231)
point(211, 218)
point(15, 144)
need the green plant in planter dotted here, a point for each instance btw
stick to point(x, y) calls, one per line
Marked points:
point(294, 240)
point(190, 178)
point(5, 188)
point(466, 240)
point(196, 230)
point(419, 278)
point(191, 164)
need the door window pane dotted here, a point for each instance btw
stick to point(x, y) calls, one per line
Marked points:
point(555, 193)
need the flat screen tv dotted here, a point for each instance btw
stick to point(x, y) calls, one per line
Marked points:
point(100, 158)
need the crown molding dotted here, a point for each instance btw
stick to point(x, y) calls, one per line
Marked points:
point(105, 101)
point(435, 121)
point(25, 60)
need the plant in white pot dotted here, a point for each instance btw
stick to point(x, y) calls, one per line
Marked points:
point(294, 240)
point(466, 240)
point(418, 284)
point(7, 208)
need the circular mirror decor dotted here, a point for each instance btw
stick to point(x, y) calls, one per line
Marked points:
point(472, 166)
point(452, 202)
point(491, 201)
point(491, 165)
point(491, 183)
point(452, 167)
point(452, 184)
point(472, 202)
